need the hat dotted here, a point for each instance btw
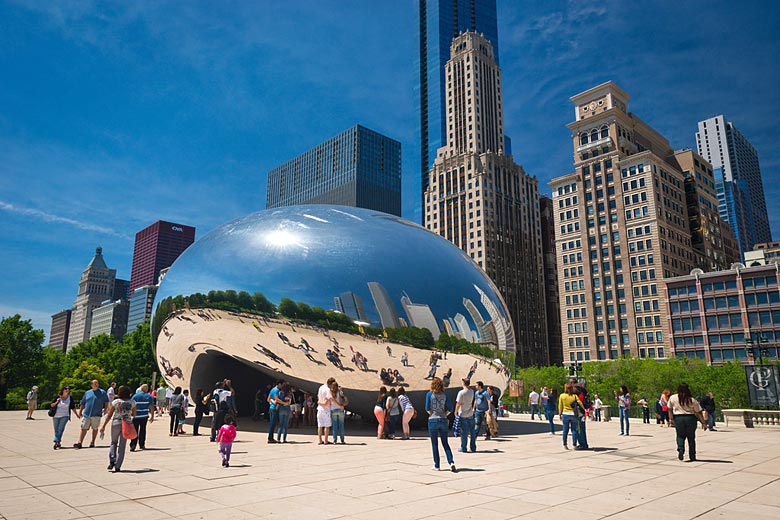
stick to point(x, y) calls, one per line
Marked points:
point(466, 380)
point(35, 387)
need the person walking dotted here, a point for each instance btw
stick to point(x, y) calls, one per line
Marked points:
point(93, 404)
point(176, 410)
point(122, 410)
point(63, 405)
point(597, 405)
point(624, 406)
point(32, 402)
point(379, 412)
point(201, 408)
point(550, 409)
point(533, 403)
point(438, 406)
point(161, 399)
point(645, 410)
point(566, 403)
point(144, 413)
point(338, 411)
point(581, 392)
point(464, 405)
point(283, 400)
point(225, 436)
point(663, 401)
point(408, 410)
point(111, 391)
point(683, 412)
point(393, 412)
point(708, 405)
point(273, 410)
point(482, 407)
point(324, 398)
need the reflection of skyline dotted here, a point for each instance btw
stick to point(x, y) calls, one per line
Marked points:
point(420, 316)
point(351, 304)
point(463, 328)
point(504, 331)
point(388, 315)
point(484, 329)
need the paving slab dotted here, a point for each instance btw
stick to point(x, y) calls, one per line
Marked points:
point(524, 473)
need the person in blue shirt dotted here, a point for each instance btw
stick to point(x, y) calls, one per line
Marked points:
point(273, 411)
point(482, 406)
point(144, 404)
point(93, 405)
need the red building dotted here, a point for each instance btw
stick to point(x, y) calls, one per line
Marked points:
point(156, 248)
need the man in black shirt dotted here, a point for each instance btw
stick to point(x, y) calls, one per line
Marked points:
point(708, 405)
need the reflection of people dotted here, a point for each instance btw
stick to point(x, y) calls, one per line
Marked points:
point(405, 359)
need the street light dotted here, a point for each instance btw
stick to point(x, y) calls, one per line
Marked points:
point(757, 345)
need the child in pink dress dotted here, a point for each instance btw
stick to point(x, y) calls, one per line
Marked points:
point(225, 437)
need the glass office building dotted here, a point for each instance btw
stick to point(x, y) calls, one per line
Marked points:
point(439, 22)
point(140, 306)
point(358, 167)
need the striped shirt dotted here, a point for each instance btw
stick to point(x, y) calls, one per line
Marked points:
point(142, 403)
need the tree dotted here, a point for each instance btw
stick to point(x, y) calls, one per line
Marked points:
point(133, 361)
point(50, 373)
point(288, 308)
point(20, 354)
point(79, 380)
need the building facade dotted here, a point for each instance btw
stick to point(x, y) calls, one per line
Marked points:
point(479, 199)
point(552, 297)
point(96, 286)
point(622, 227)
point(358, 167)
point(726, 315)
point(741, 189)
point(156, 248)
point(140, 307)
point(60, 326)
point(110, 318)
point(440, 21)
point(762, 254)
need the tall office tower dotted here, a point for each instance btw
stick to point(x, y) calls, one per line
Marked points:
point(96, 285)
point(358, 167)
point(621, 227)
point(110, 318)
point(60, 325)
point(140, 306)
point(741, 194)
point(484, 203)
point(421, 316)
point(121, 290)
point(701, 198)
point(439, 22)
point(351, 304)
point(388, 315)
point(552, 301)
point(156, 248)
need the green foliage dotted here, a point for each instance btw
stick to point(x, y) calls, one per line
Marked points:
point(649, 377)
point(52, 361)
point(20, 354)
point(81, 377)
point(415, 336)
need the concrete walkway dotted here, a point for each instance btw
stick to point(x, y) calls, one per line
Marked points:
point(524, 473)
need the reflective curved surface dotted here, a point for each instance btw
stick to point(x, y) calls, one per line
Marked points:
point(305, 293)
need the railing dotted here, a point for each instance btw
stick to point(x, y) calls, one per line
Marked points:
point(752, 418)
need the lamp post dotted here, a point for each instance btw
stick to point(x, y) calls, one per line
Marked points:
point(757, 345)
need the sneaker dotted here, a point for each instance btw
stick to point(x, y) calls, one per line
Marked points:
point(680, 455)
point(453, 468)
point(461, 450)
point(435, 468)
point(117, 470)
point(227, 464)
point(552, 433)
point(271, 441)
point(132, 449)
point(223, 462)
point(692, 459)
point(621, 433)
point(110, 466)
point(565, 447)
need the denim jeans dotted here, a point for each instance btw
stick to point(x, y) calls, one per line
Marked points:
point(570, 422)
point(391, 427)
point(535, 411)
point(685, 427)
point(466, 429)
point(337, 424)
point(582, 437)
point(116, 454)
point(710, 420)
point(479, 419)
point(273, 420)
point(550, 415)
point(623, 419)
point(439, 429)
point(597, 414)
point(284, 421)
point(59, 427)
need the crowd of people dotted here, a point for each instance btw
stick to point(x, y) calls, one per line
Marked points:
point(474, 413)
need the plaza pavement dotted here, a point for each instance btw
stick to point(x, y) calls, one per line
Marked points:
point(524, 473)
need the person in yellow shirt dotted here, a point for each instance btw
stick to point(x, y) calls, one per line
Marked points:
point(567, 413)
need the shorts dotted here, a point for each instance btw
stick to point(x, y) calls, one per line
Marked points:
point(295, 408)
point(323, 418)
point(32, 404)
point(90, 422)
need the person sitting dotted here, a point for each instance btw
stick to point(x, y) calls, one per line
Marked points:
point(398, 377)
point(384, 377)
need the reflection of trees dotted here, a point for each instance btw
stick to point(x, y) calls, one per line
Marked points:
point(317, 316)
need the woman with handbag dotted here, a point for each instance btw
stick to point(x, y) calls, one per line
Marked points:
point(60, 413)
point(570, 409)
point(663, 403)
point(120, 413)
point(177, 409)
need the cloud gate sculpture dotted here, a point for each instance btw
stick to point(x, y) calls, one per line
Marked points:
point(304, 293)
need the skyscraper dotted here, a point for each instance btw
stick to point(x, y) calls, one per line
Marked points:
point(157, 247)
point(622, 225)
point(352, 305)
point(552, 297)
point(439, 22)
point(421, 316)
point(479, 199)
point(60, 326)
point(110, 318)
point(740, 187)
point(96, 285)
point(358, 167)
point(140, 306)
point(388, 314)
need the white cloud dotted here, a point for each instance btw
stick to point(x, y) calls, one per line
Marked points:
point(37, 214)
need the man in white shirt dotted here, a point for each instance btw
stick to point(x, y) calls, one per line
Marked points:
point(533, 402)
point(464, 404)
point(324, 398)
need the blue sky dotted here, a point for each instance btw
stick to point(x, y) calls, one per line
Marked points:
point(114, 115)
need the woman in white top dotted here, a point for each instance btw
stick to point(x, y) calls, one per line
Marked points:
point(408, 411)
point(63, 405)
point(683, 412)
